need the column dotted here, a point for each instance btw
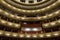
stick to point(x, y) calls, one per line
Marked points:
point(35, 1)
point(27, 1)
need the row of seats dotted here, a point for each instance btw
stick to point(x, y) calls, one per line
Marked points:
point(9, 15)
point(30, 7)
point(28, 4)
point(21, 35)
point(29, 11)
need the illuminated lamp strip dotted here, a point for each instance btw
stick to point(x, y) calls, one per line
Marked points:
point(28, 11)
point(28, 29)
point(9, 24)
point(51, 24)
point(9, 15)
point(20, 35)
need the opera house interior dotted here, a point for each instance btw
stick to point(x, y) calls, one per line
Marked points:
point(29, 19)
